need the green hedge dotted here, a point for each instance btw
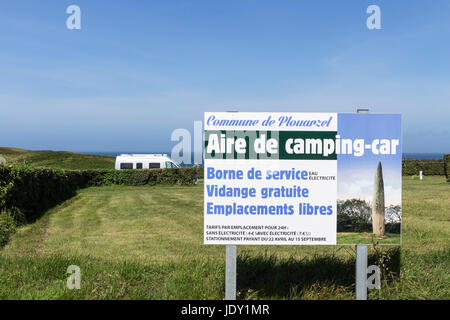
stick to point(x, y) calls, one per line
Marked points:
point(7, 227)
point(447, 166)
point(428, 166)
point(27, 192)
point(33, 191)
point(182, 176)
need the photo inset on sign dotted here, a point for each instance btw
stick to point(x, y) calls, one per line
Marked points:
point(369, 206)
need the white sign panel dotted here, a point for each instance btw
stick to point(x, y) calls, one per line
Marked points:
point(270, 178)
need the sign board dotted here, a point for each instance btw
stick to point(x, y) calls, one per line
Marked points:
point(301, 178)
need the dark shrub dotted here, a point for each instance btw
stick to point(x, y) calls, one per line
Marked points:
point(393, 227)
point(447, 166)
point(428, 166)
point(353, 215)
point(7, 227)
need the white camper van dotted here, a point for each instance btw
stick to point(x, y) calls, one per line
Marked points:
point(144, 161)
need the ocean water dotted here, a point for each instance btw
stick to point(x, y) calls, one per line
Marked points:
point(116, 153)
point(423, 155)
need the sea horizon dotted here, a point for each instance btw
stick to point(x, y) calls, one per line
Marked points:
point(405, 155)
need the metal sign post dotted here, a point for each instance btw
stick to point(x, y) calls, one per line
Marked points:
point(230, 272)
point(361, 272)
point(230, 269)
point(361, 260)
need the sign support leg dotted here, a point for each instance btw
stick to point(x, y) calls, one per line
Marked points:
point(361, 272)
point(361, 259)
point(230, 272)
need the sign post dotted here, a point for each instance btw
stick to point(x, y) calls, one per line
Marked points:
point(361, 260)
point(230, 272)
point(361, 272)
point(230, 269)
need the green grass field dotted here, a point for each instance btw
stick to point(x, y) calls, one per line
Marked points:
point(57, 159)
point(147, 243)
point(367, 238)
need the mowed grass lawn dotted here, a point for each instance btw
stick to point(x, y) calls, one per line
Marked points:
point(367, 238)
point(147, 243)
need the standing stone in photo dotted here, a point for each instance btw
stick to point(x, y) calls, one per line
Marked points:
point(2, 160)
point(378, 218)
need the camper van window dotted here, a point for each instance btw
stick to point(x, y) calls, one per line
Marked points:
point(126, 166)
point(138, 165)
point(169, 164)
point(154, 165)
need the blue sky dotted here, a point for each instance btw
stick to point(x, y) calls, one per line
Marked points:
point(137, 70)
